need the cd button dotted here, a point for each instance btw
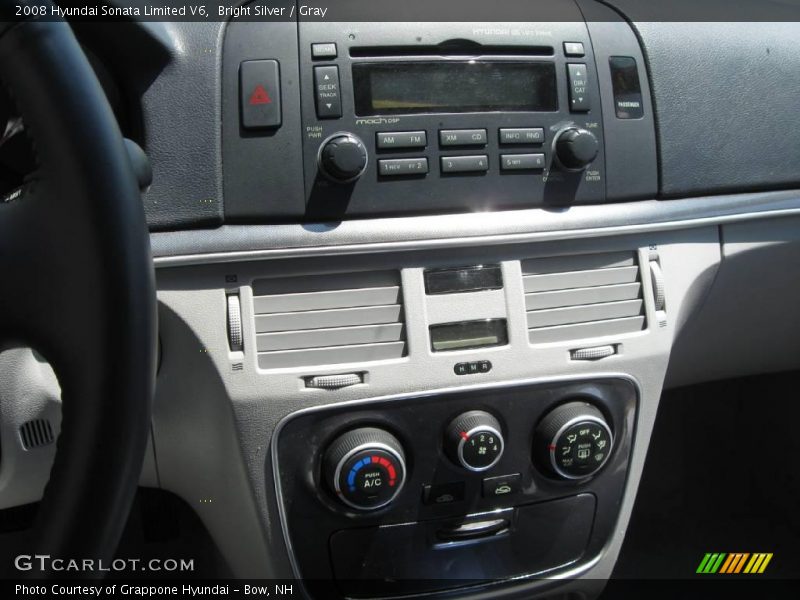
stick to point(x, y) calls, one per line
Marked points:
point(462, 137)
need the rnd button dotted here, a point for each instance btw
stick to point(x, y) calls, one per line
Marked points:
point(522, 135)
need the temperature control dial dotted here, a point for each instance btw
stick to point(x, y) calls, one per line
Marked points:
point(365, 468)
point(474, 440)
point(573, 441)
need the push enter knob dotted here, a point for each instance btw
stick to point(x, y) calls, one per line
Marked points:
point(365, 467)
point(575, 148)
point(343, 157)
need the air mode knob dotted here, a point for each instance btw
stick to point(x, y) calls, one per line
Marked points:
point(575, 148)
point(572, 441)
point(474, 440)
point(342, 157)
point(365, 468)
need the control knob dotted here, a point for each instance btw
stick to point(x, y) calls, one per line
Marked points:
point(474, 440)
point(575, 148)
point(342, 157)
point(365, 467)
point(573, 441)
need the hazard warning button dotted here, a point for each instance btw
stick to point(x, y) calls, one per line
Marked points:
point(260, 94)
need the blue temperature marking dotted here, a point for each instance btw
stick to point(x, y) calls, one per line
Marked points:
point(351, 478)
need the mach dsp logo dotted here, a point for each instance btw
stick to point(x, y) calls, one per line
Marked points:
point(734, 563)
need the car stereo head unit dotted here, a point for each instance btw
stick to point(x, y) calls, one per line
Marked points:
point(434, 117)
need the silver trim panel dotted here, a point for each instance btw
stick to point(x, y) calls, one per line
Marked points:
point(234, 243)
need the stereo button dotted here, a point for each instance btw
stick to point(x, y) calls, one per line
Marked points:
point(522, 135)
point(578, 87)
point(517, 162)
point(574, 49)
point(401, 139)
point(402, 166)
point(462, 164)
point(327, 93)
point(462, 137)
point(323, 50)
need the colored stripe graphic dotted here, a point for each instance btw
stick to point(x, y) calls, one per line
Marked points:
point(734, 562)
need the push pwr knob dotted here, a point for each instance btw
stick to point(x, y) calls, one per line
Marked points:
point(365, 468)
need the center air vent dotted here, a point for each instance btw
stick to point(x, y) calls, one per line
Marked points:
point(329, 319)
point(581, 297)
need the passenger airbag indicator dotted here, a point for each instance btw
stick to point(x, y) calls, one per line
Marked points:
point(626, 86)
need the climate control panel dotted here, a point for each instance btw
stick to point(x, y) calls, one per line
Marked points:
point(423, 473)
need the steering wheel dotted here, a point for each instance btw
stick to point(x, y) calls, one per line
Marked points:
point(78, 286)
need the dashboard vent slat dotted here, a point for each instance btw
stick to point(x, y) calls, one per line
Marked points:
point(36, 433)
point(320, 320)
point(582, 297)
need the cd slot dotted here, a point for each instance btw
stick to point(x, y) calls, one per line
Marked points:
point(447, 49)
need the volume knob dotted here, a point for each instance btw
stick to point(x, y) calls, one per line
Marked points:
point(576, 148)
point(343, 157)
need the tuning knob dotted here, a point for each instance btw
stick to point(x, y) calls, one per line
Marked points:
point(342, 157)
point(365, 467)
point(573, 441)
point(575, 148)
point(474, 440)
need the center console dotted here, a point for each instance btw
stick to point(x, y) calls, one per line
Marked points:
point(340, 120)
point(469, 487)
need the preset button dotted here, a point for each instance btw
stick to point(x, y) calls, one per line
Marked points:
point(403, 166)
point(517, 162)
point(464, 164)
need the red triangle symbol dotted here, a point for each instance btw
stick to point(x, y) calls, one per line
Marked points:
point(260, 95)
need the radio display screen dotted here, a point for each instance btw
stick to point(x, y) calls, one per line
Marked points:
point(398, 88)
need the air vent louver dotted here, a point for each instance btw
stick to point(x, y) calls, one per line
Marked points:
point(329, 319)
point(36, 433)
point(582, 297)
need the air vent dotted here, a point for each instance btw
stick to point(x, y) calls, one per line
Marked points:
point(582, 297)
point(36, 433)
point(329, 319)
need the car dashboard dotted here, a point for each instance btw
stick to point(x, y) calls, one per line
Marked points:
point(422, 283)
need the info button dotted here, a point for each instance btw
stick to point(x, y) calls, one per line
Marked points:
point(522, 135)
